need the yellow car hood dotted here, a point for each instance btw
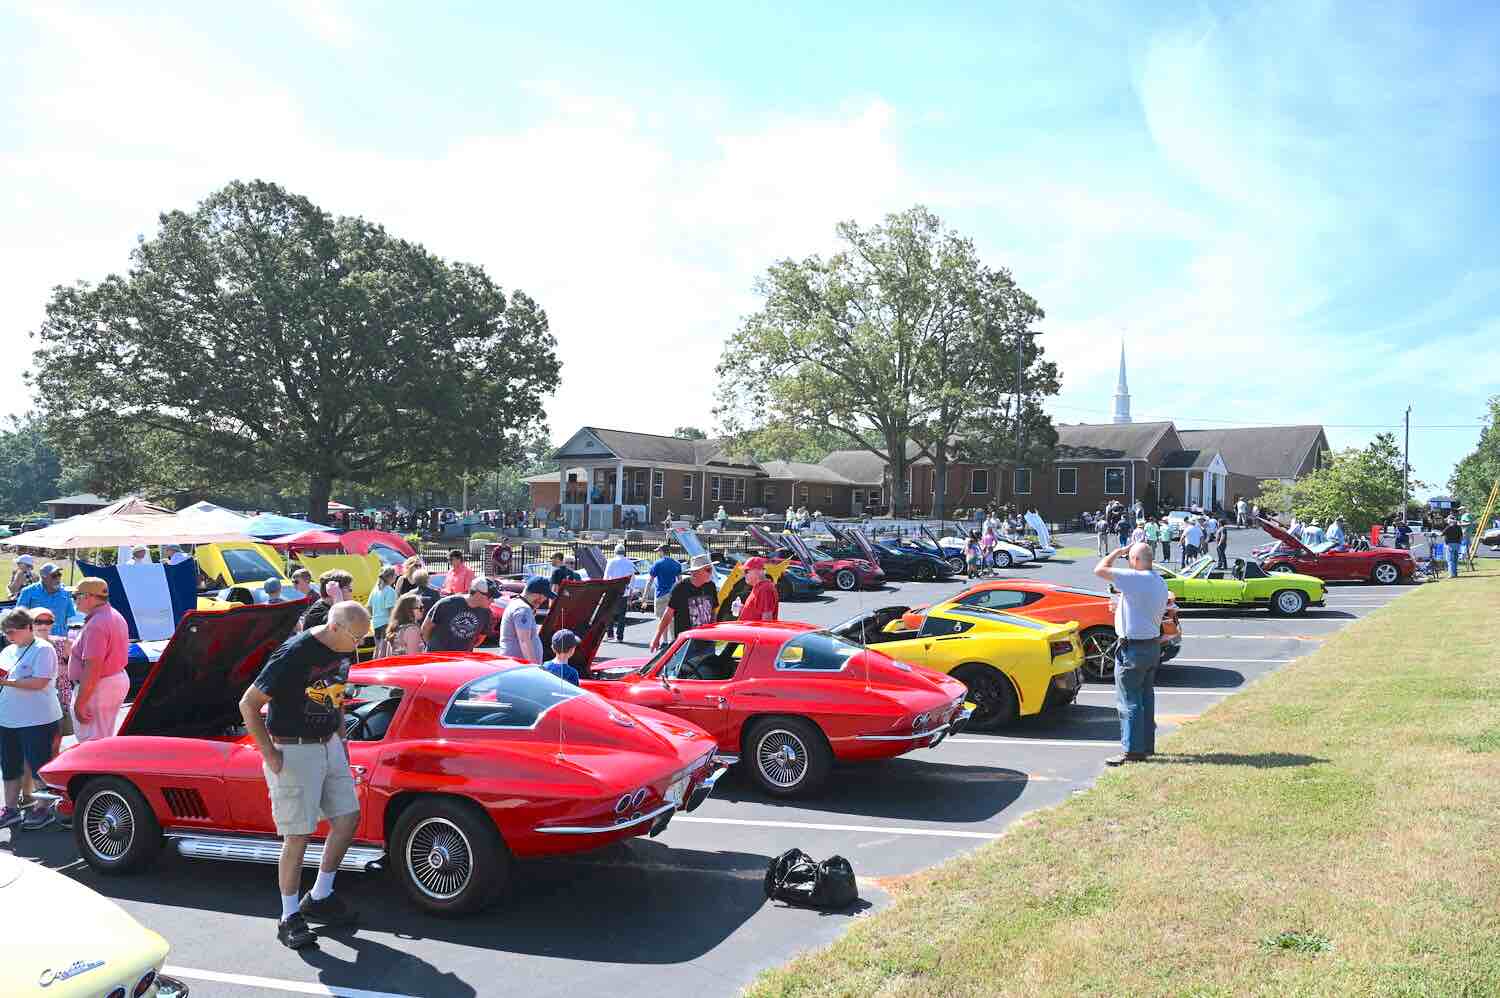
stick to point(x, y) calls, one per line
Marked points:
point(60, 927)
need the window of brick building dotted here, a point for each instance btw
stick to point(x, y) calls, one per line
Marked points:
point(658, 485)
point(1021, 480)
point(1114, 481)
point(979, 481)
point(1067, 481)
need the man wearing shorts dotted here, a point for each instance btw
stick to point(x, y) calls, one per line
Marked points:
point(301, 742)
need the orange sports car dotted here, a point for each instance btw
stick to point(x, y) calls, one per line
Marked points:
point(1058, 604)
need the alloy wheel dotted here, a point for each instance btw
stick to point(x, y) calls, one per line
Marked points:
point(439, 858)
point(1099, 653)
point(846, 580)
point(1386, 573)
point(1289, 602)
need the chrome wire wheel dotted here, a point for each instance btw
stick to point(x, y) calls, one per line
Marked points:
point(439, 858)
point(782, 758)
point(108, 825)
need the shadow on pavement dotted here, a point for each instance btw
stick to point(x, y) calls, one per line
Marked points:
point(1192, 676)
point(1076, 721)
point(906, 788)
point(639, 902)
point(1255, 760)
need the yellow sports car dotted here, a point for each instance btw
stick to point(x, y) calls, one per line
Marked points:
point(240, 563)
point(66, 941)
point(1013, 666)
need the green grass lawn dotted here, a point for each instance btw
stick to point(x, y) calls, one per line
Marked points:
point(1331, 831)
point(8, 565)
point(1075, 554)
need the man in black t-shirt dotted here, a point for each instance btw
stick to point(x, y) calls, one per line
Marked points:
point(305, 763)
point(458, 623)
point(562, 570)
point(693, 602)
point(1453, 541)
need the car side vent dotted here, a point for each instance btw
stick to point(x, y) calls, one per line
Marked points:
point(184, 803)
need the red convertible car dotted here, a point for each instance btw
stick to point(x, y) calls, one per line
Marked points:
point(461, 762)
point(790, 698)
point(847, 574)
point(1333, 562)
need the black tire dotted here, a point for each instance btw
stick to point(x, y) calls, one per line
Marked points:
point(1283, 569)
point(958, 564)
point(1385, 574)
point(788, 756)
point(1099, 653)
point(114, 827)
point(435, 831)
point(1002, 558)
point(923, 573)
point(1288, 602)
point(846, 580)
point(995, 703)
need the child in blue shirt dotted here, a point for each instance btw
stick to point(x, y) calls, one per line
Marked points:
point(563, 644)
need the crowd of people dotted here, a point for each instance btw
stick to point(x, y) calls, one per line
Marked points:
point(402, 521)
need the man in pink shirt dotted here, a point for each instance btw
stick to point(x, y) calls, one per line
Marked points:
point(96, 662)
point(459, 574)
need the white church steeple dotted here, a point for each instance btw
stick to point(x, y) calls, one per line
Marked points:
point(1122, 392)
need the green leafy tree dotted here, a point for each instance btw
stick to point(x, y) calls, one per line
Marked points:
point(259, 336)
point(1475, 475)
point(689, 433)
point(872, 344)
point(1363, 485)
point(779, 441)
point(30, 468)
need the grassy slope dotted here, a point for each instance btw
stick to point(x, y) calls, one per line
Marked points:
point(1334, 830)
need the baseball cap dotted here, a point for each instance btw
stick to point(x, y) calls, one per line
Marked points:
point(537, 584)
point(756, 562)
point(50, 569)
point(564, 640)
point(25, 559)
point(92, 587)
point(620, 549)
point(479, 584)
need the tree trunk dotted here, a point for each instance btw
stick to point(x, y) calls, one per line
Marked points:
point(940, 480)
point(895, 449)
point(319, 490)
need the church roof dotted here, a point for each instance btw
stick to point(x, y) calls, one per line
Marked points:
point(1259, 451)
point(1103, 441)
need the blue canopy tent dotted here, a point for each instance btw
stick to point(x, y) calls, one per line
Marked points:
point(268, 525)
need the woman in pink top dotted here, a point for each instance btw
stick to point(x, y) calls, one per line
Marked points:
point(97, 662)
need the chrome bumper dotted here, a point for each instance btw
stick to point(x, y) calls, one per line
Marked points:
point(621, 825)
point(702, 791)
point(933, 736)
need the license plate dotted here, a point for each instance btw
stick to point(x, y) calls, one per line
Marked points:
point(678, 790)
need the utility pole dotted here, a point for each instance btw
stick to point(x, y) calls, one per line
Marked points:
point(1406, 470)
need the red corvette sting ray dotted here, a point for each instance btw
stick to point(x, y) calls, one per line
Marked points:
point(462, 762)
point(1336, 563)
point(847, 574)
point(789, 699)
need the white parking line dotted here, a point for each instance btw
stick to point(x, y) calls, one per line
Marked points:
point(275, 984)
point(941, 833)
point(1266, 637)
point(1247, 661)
point(1180, 692)
point(1058, 742)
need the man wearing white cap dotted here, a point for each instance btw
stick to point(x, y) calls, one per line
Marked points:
point(23, 575)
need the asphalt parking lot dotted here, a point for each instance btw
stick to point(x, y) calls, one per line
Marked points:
point(685, 912)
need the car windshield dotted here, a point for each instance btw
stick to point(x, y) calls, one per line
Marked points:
point(1198, 568)
point(248, 565)
point(817, 651)
point(387, 554)
point(516, 698)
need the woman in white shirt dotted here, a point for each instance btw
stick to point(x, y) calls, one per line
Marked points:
point(29, 713)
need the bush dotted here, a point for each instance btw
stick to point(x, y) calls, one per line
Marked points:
point(483, 535)
point(415, 540)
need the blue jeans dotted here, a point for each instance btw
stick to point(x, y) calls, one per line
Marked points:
point(1454, 550)
point(1135, 693)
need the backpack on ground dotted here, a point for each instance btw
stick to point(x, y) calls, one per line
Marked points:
point(794, 877)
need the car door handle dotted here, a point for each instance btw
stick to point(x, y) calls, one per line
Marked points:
point(719, 702)
point(755, 693)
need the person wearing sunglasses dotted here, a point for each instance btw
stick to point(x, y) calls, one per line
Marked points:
point(96, 662)
point(29, 713)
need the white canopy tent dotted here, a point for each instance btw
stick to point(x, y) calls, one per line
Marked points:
point(129, 521)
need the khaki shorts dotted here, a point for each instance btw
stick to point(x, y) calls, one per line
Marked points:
point(314, 783)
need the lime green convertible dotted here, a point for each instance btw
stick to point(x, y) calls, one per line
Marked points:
point(1245, 584)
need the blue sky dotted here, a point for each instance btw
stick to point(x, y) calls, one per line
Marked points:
point(1286, 211)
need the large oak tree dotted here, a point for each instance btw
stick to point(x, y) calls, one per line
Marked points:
point(903, 337)
point(260, 339)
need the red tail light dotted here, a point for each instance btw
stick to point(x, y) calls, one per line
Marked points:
point(1060, 648)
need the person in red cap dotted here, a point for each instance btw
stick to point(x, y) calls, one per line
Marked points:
point(763, 602)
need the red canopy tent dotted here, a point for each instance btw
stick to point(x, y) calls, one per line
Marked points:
point(305, 540)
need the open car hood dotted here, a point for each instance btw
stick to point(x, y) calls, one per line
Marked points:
point(591, 560)
point(1274, 529)
point(862, 542)
point(585, 608)
point(213, 656)
point(764, 539)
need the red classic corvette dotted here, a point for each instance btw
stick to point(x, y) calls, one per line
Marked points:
point(842, 573)
point(791, 697)
point(1334, 562)
point(461, 762)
